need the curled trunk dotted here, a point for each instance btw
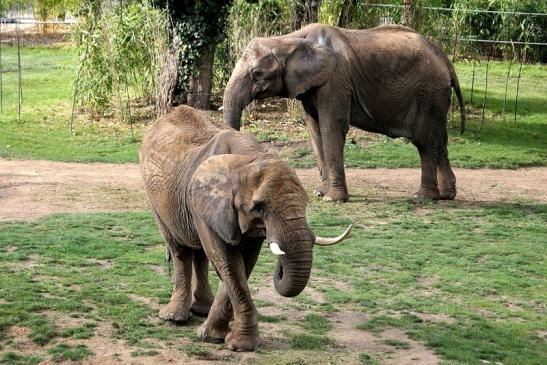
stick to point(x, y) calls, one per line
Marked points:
point(292, 273)
point(294, 267)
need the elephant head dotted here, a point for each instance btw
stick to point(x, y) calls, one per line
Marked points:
point(242, 196)
point(277, 66)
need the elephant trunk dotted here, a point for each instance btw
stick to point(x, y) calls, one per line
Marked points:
point(294, 266)
point(237, 96)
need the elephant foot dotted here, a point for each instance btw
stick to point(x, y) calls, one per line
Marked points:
point(427, 193)
point(201, 308)
point(242, 342)
point(321, 190)
point(175, 311)
point(336, 196)
point(214, 335)
point(447, 193)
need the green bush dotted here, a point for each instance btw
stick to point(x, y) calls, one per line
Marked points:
point(246, 21)
point(120, 54)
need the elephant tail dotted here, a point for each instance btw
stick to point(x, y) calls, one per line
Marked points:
point(456, 85)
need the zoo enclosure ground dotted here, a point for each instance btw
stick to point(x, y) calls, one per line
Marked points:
point(417, 280)
point(35, 188)
point(452, 282)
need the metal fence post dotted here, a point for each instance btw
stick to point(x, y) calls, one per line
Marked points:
point(485, 90)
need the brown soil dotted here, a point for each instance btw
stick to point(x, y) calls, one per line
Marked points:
point(31, 189)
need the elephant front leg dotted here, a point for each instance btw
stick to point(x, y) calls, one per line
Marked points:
point(178, 308)
point(233, 297)
point(203, 297)
point(333, 136)
point(316, 143)
point(215, 328)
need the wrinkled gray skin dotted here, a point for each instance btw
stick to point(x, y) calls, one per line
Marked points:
point(216, 197)
point(387, 79)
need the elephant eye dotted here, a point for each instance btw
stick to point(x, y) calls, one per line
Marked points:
point(258, 207)
point(257, 74)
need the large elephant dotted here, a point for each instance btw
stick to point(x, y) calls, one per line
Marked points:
point(215, 196)
point(388, 79)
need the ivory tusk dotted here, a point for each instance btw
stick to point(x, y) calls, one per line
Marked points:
point(275, 249)
point(221, 108)
point(321, 241)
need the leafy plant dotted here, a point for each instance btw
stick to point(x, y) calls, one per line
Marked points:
point(120, 53)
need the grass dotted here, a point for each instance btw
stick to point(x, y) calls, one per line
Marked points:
point(466, 279)
point(43, 131)
point(64, 352)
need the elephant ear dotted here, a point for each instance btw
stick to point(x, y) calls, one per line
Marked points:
point(309, 65)
point(211, 196)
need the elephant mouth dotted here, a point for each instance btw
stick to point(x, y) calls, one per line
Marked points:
point(256, 233)
point(279, 271)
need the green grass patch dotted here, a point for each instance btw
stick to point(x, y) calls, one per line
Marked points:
point(43, 132)
point(398, 344)
point(144, 353)
point(63, 352)
point(194, 350)
point(315, 324)
point(303, 341)
point(12, 358)
point(81, 332)
point(368, 359)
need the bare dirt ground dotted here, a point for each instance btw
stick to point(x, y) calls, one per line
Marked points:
point(32, 189)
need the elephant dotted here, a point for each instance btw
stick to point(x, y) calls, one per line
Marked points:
point(388, 80)
point(216, 197)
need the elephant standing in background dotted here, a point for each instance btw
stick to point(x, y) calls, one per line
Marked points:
point(388, 80)
point(216, 197)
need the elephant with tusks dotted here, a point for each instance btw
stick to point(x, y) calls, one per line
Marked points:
point(216, 197)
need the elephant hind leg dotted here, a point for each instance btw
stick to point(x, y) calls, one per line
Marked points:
point(445, 175)
point(429, 162)
point(202, 294)
point(178, 308)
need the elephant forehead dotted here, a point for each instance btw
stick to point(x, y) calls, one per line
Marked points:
point(260, 48)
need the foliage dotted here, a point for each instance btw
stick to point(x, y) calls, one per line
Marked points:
point(63, 352)
point(197, 25)
point(505, 26)
point(48, 9)
point(246, 21)
point(467, 21)
point(6, 5)
point(120, 51)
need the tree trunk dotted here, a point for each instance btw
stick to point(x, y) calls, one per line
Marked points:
point(200, 84)
point(166, 92)
point(346, 13)
point(407, 15)
point(304, 12)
